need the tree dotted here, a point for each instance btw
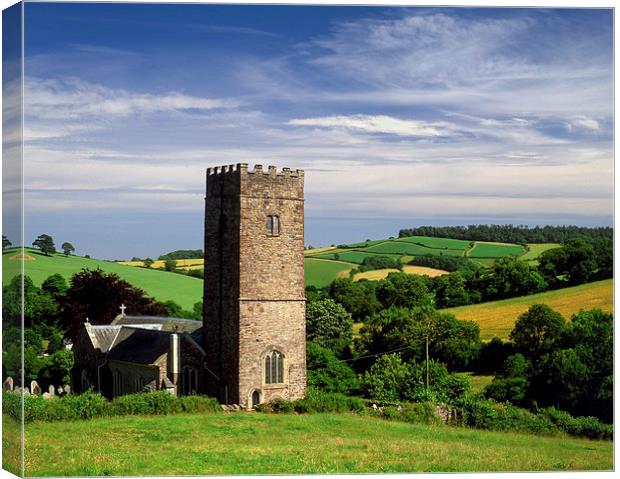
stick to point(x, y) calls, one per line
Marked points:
point(329, 325)
point(512, 277)
point(357, 297)
point(97, 296)
point(573, 263)
point(148, 262)
point(402, 289)
point(328, 373)
point(39, 306)
point(5, 242)
point(170, 264)
point(45, 243)
point(55, 284)
point(386, 380)
point(67, 248)
point(537, 330)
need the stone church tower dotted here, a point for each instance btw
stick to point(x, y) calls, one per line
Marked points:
point(254, 296)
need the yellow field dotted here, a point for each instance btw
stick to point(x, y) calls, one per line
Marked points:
point(378, 274)
point(497, 318)
point(537, 249)
point(195, 263)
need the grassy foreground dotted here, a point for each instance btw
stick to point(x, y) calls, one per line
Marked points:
point(497, 318)
point(245, 443)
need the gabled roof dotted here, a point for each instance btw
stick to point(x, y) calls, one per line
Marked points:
point(167, 323)
point(137, 345)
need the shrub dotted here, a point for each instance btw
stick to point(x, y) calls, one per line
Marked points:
point(416, 413)
point(587, 426)
point(90, 405)
point(328, 373)
point(387, 378)
point(315, 402)
point(318, 401)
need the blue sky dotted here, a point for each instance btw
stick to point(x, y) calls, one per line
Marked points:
point(400, 117)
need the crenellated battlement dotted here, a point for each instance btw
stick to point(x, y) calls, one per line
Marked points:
point(242, 169)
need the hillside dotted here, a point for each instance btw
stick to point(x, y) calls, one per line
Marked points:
point(323, 265)
point(497, 318)
point(161, 285)
point(254, 443)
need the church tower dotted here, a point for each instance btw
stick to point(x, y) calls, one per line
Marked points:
point(254, 295)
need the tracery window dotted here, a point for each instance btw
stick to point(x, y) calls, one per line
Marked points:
point(117, 384)
point(273, 225)
point(274, 367)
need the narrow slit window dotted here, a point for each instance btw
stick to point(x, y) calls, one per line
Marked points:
point(273, 225)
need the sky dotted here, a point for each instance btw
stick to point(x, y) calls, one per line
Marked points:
point(400, 117)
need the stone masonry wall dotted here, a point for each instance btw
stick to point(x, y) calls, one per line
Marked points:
point(254, 281)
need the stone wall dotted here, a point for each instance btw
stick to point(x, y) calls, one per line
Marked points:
point(254, 281)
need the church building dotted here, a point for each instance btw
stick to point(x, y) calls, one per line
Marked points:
point(251, 347)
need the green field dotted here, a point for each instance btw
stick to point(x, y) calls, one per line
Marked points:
point(161, 285)
point(438, 243)
point(403, 247)
point(497, 318)
point(495, 250)
point(321, 272)
point(255, 443)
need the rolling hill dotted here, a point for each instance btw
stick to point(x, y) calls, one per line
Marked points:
point(161, 285)
point(497, 318)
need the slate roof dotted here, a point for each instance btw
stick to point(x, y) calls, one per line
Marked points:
point(167, 323)
point(137, 345)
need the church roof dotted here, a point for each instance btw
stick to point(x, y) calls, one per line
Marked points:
point(137, 345)
point(167, 323)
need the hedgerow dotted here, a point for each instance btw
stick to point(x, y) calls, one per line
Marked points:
point(92, 405)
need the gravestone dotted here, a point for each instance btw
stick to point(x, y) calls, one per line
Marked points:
point(26, 391)
point(67, 389)
point(51, 390)
point(8, 384)
point(47, 396)
point(35, 388)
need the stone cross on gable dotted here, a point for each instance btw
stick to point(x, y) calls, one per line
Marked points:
point(123, 308)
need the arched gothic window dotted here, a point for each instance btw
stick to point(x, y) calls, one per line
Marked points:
point(117, 384)
point(85, 382)
point(273, 225)
point(274, 367)
point(189, 380)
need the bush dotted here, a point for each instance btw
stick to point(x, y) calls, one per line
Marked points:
point(487, 414)
point(587, 426)
point(328, 373)
point(416, 413)
point(315, 402)
point(90, 405)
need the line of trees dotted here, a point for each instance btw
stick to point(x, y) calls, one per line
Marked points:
point(510, 234)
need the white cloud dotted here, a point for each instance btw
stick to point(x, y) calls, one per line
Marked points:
point(377, 124)
point(581, 122)
point(62, 107)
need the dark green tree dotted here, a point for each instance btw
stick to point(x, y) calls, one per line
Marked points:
point(537, 330)
point(148, 262)
point(45, 243)
point(170, 264)
point(97, 296)
point(329, 325)
point(67, 248)
point(406, 290)
point(55, 284)
point(5, 242)
point(386, 381)
point(357, 297)
point(327, 372)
